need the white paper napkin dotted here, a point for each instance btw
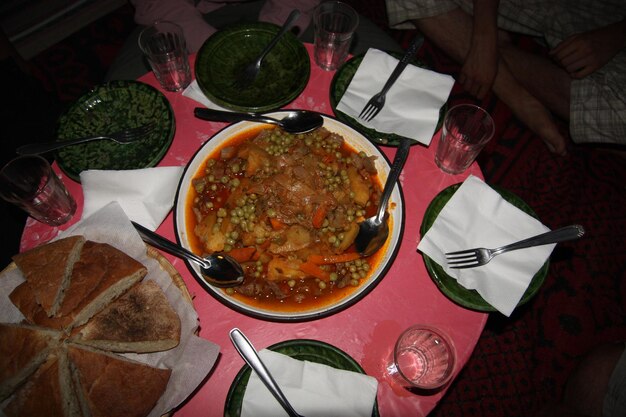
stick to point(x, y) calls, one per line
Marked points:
point(313, 389)
point(413, 102)
point(146, 195)
point(194, 92)
point(477, 216)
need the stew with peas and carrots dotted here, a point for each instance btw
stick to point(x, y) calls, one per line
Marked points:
point(287, 207)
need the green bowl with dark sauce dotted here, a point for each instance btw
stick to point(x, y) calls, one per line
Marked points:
point(340, 84)
point(301, 349)
point(108, 108)
point(449, 286)
point(284, 72)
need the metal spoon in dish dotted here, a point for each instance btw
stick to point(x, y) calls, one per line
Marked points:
point(250, 355)
point(296, 121)
point(374, 230)
point(219, 270)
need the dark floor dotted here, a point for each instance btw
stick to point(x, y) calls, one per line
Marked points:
point(29, 115)
point(40, 89)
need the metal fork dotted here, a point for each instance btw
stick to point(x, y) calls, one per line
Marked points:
point(377, 102)
point(122, 136)
point(251, 70)
point(480, 256)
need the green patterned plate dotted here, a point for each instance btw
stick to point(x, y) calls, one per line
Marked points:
point(340, 84)
point(448, 285)
point(302, 349)
point(108, 108)
point(284, 73)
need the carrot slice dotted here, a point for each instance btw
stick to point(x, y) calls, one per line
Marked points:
point(319, 215)
point(333, 259)
point(315, 270)
point(242, 254)
point(277, 224)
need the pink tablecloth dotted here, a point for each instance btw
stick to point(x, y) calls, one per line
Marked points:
point(367, 330)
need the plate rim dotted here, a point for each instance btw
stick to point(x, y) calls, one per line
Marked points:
point(435, 275)
point(245, 370)
point(351, 121)
point(276, 316)
point(261, 108)
point(118, 84)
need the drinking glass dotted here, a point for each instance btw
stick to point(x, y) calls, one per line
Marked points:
point(423, 358)
point(30, 183)
point(335, 23)
point(164, 46)
point(466, 130)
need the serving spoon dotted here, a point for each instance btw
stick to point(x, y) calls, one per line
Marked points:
point(374, 230)
point(218, 269)
point(296, 121)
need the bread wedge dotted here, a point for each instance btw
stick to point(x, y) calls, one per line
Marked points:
point(142, 320)
point(47, 269)
point(111, 385)
point(107, 272)
point(49, 392)
point(23, 349)
point(24, 299)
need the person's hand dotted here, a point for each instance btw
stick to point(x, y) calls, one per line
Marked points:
point(480, 68)
point(584, 53)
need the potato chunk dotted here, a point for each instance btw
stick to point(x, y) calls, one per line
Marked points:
point(359, 186)
point(280, 269)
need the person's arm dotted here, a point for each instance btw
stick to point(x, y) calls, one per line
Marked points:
point(585, 53)
point(481, 63)
point(181, 12)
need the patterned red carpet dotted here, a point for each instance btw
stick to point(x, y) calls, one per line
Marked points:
point(521, 362)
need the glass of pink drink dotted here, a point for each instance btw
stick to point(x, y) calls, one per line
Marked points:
point(163, 43)
point(466, 130)
point(30, 183)
point(423, 358)
point(334, 23)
